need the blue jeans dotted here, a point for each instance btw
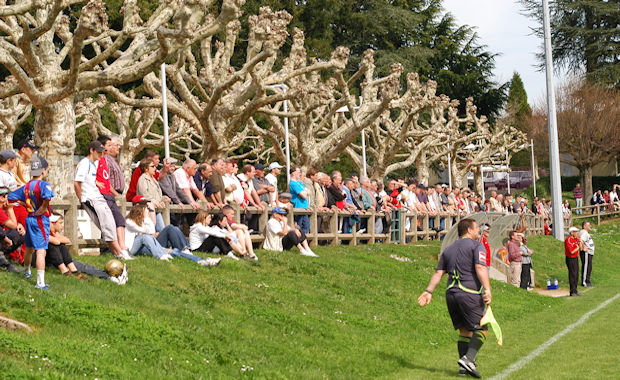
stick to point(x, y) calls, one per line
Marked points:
point(147, 245)
point(172, 237)
point(303, 221)
point(159, 222)
point(176, 253)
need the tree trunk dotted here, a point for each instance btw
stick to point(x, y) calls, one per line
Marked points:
point(586, 181)
point(6, 141)
point(478, 183)
point(54, 127)
point(423, 170)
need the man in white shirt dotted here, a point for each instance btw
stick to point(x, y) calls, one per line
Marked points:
point(232, 185)
point(184, 177)
point(274, 170)
point(87, 191)
point(279, 236)
point(8, 160)
point(586, 252)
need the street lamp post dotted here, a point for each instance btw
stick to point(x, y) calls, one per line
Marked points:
point(533, 166)
point(287, 150)
point(554, 151)
point(164, 107)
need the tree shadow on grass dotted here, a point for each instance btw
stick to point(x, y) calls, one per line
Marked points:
point(406, 364)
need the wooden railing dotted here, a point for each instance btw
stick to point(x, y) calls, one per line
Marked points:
point(324, 225)
point(596, 211)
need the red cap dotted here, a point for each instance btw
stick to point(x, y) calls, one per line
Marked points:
point(137, 199)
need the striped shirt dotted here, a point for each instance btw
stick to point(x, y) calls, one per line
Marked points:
point(578, 193)
point(117, 178)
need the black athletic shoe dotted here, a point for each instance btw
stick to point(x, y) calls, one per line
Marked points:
point(469, 366)
point(576, 295)
point(589, 285)
point(463, 372)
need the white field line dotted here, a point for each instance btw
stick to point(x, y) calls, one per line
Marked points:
point(532, 355)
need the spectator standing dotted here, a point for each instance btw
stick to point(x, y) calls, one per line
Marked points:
point(117, 177)
point(261, 185)
point(526, 263)
point(515, 256)
point(486, 231)
point(10, 238)
point(234, 191)
point(597, 199)
point(133, 182)
point(8, 161)
point(274, 171)
point(93, 201)
point(217, 182)
point(201, 179)
point(185, 181)
point(102, 179)
point(299, 198)
point(571, 251)
point(578, 194)
point(586, 253)
point(25, 151)
point(36, 196)
point(148, 188)
point(613, 198)
point(309, 183)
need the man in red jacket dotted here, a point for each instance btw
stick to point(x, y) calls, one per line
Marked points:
point(571, 250)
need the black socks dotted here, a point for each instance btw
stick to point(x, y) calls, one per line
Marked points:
point(463, 345)
point(477, 340)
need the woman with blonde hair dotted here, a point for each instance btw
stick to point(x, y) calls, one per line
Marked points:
point(205, 237)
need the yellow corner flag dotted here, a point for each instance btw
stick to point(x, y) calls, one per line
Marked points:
point(489, 318)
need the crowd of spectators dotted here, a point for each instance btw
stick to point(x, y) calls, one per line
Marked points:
point(218, 185)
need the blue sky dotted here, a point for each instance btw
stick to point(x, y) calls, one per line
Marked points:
point(500, 25)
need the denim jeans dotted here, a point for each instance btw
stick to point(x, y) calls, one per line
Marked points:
point(303, 221)
point(176, 253)
point(172, 237)
point(147, 245)
point(159, 222)
point(579, 203)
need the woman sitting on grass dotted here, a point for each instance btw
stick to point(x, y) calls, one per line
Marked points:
point(140, 235)
point(206, 238)
point(236, 238)
point(58, 255)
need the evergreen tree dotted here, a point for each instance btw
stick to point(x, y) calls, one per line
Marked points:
point(517, 101)
point(585, 36)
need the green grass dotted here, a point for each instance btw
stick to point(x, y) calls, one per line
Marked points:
point(350, 314)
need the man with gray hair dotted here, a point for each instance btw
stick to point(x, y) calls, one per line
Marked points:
point(185, 181)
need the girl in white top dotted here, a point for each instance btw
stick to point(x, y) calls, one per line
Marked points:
point(205, 237)
point(141, 237)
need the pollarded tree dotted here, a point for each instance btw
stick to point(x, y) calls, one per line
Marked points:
point(319, 130)
point(403, 134)
point(14, 110)
point(60, 50)
point(219, 100)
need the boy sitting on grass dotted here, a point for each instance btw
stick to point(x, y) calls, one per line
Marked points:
point(279, 236)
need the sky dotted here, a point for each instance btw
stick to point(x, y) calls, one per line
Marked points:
point(500, 25)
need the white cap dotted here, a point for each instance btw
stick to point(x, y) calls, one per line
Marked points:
point(275, 165)
point(54, 218)
point(573, 229)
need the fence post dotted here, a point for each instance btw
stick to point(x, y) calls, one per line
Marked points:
point(235, 207)
point(401, 227)
point(333, 227)
point(598, 215)
point(314, 228)
point(165, 213)
point(71, 224)
point(264, 217)
point(371, 226)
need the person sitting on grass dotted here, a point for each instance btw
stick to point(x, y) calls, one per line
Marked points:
point(242, 231)
point(236, 238)
point(58, 256)
point(206, 238)
point(279, 236)
point(141, 237)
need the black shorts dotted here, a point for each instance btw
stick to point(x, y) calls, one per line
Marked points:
point(465, 309)
point(119, 220)
point(57, 254)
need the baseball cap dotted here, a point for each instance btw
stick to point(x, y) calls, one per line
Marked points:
point(54, 218)
point(573, 229)
point(486, 228)
point(4, 190)
point(285, 195)
point(96, 145)
point(138, 199)
point(26, 143)
point(37, 166)
point(275, 165)
point(7, 154)
point(279, 210)
point(421, 186)
point(259, 166)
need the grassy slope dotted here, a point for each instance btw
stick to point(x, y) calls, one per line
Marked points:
point(351, 313)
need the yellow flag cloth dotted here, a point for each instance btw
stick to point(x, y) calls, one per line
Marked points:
point(489, 318)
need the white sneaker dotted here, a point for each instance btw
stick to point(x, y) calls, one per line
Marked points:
point(166, 257)
point(115, 280)
point(124, 277)
point(231, 255)
point(209, 262)
point(307, 252)
point(253, 257)
point(124, 255)
point(186, 251)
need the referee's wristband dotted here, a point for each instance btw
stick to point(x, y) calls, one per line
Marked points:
point(428, 291)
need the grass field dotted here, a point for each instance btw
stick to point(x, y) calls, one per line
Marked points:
point(350, 314)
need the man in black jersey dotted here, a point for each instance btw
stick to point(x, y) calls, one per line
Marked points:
point(468, 293)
